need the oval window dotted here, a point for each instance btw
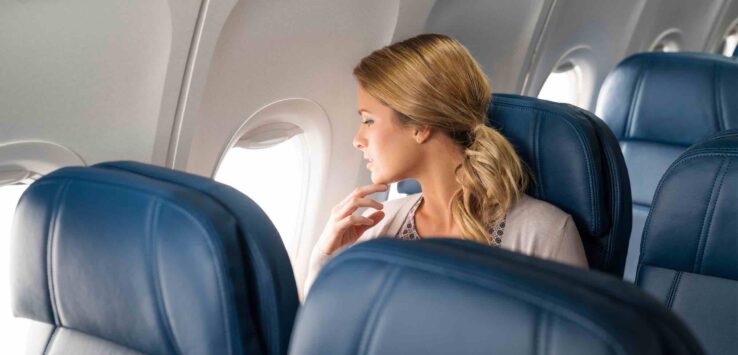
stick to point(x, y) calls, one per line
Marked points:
point(269, 165)
point(730, 42)
point(563, 85)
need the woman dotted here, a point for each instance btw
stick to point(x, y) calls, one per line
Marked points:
point(423, 104)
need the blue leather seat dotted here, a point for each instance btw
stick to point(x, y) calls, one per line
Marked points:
point(689, 254)
point(576, 165)
point(125, 257)
point(439, 296)
point(658, 104)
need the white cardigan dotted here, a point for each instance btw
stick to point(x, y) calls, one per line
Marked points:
point(532, 227)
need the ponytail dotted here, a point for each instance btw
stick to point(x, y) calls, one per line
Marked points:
point(492, 178)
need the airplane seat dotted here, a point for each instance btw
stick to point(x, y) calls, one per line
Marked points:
point(658, 104)
point(451, 296)
point(690, 242)
point(576, 164)
point(125, 258)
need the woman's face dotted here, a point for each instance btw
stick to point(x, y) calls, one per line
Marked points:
point(389, 147)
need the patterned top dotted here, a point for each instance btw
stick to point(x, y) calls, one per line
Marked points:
point(409, 232)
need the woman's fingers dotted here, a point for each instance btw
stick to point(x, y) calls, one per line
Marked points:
point(362, 191)
point(375, 218)
point(352, 205)
point(369, 189)
point(353, 220)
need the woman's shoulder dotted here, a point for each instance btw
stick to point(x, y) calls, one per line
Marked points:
point(536, 212)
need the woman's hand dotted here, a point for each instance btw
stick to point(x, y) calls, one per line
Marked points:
point(343, 226)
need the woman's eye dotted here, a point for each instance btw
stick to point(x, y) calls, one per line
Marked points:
point(368, 122)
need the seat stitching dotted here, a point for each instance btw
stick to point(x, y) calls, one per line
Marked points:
point(718, 97)
point(537, 153)
point(207, 228)
point(152, 220)
point(377, 305)
point(53, 227)
point(614, 201)
point(673, 289)
point(542, 333)
point(634, 102)
point(709, 213)
point(707, 217)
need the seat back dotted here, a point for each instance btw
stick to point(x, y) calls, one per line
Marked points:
point(439, 296)
point(575, 164)
point(124, 258)
point(689, 253)
point(658, 104)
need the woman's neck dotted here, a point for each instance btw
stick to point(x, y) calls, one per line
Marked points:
point(438, 182)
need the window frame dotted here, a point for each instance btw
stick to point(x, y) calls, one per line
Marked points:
point(583, 61)
point(670, 41)
point(310, 117)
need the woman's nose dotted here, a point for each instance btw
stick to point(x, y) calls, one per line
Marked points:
point(359, 141)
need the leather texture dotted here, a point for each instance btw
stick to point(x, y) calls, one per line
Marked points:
point(690, 242)
point(451, 296)
point(658, 104)
point(576, 165)
point(125, 257)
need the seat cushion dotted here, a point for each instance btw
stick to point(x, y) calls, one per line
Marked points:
point(448, 296)
point(120, 261)
point(658, 104)
point(690, 241)
point(575, 164)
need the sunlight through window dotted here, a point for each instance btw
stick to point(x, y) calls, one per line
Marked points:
point(13, 330)
point(729, 43)
point(393, 194)
point(562, 85)
point(666, 47)
point(274, 177)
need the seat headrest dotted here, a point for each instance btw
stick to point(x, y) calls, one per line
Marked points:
point(693, 225)
point(443, 296)
point(576, 164)
point(151, 259)
point(670, 98)
point(560, 147)
point(562, 152)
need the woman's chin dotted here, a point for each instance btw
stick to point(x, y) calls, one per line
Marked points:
point(378, 179)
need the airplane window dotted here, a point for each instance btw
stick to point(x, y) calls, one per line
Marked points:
point(273, 173)
point(563, 85)
point(729, 43)
point(666, 47)
point(393, 193)
point(14, 331)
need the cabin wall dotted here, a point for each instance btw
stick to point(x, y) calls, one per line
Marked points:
point(172, 82)
point(99, 78)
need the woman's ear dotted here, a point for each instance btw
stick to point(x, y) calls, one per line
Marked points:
point(422, 133)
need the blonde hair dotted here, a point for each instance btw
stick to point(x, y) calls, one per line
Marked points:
point(432, 80)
